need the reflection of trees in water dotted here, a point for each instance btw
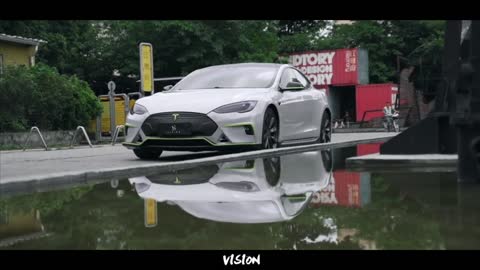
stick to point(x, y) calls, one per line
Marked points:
point(95, 218)
point(24, 214)
point(391, 220)
point(45, 202)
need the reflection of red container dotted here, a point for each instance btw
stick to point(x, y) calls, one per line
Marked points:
point(350, 189)
point(366, 149)
point(347, 188)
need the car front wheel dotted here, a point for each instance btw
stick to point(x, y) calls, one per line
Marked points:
point(270, 130)
point(325, 128)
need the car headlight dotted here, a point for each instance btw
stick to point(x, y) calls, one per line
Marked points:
point(138, 109)
point(240, 107)
point(141, 187)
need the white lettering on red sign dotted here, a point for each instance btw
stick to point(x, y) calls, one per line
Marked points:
point(317, 66)
point(353, 194)
point(326, 195)
point(350, 61)
point(321, 79)
point(312, 59)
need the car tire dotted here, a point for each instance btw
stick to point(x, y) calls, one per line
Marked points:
point(327, 159)
point(272, 170)
point(270, 130)
point(147, 154)
point(325, 129)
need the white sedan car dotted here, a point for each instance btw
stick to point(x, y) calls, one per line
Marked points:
point(230, 107)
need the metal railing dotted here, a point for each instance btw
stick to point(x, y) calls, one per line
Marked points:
point(117, 131)
point(381, 110)
point(28, 138)
point(85, 135)
point(365, 113)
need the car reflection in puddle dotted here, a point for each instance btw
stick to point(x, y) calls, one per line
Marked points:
point(264, 190)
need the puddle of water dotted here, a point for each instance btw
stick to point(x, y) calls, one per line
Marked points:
point(301, 201)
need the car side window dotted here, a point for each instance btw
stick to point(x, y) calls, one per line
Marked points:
point(289, 75)
point(292, 75)
point(286, 78)
point(301, 78)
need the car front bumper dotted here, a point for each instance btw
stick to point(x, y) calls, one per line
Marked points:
point(234, 131)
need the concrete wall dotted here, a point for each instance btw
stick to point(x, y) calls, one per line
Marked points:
point(52, 138)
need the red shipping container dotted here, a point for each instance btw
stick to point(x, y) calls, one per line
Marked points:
point(373, 97)
point(333, 67)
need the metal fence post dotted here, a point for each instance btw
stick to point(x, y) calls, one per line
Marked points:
point(111, 99)
point(81, 128)
point(98, 131)
point(28, 138)
point(117, 131)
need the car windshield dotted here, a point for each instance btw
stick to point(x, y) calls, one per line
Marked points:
point(229, 77)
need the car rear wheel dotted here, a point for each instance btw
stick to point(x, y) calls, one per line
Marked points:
point(147, 154)
point(270, 130)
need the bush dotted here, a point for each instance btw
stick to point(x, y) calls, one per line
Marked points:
point(40, 96)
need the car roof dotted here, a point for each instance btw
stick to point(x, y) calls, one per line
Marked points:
point(272, 65)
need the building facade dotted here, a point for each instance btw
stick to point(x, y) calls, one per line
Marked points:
point(344, 74)
point(16, 51)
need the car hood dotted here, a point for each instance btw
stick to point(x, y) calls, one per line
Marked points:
point(201, 100)
point(236, 212)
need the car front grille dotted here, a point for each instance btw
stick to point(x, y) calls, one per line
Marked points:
point(195, 124)
point(176, 143)
point(197, 175)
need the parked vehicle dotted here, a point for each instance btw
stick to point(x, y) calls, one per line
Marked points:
point(226, 107)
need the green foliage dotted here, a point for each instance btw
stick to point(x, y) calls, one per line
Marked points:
point(46, 202)
point(179, 47)
point(292, 27)
point(71, 46)
point(41, 97)
point(391, 220)
point(92, 50)
point(415, 41)
point(372, 36)
point(300, 35)
point(384, 40)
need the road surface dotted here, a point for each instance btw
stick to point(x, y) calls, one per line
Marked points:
point(86, 163)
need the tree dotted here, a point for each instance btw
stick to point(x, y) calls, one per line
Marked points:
point(70, 44)
point(93, 50)
point(44, 98)
point(300, 35)
point(180, 47)
point(384, 40)
point(292, 27)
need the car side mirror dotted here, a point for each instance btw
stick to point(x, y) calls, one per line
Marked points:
point(168, 87)
point(293, 86)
